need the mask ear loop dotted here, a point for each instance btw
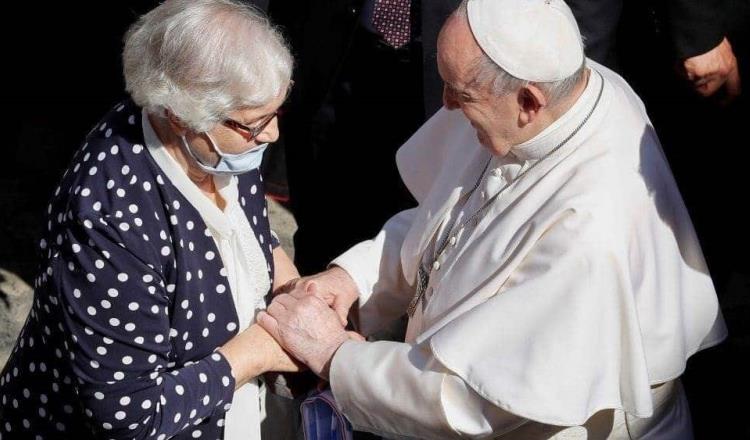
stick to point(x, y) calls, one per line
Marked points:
point(191, 153)
point(215, 145)
point(186, 145)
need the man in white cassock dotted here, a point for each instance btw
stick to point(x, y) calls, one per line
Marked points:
point(554, 282)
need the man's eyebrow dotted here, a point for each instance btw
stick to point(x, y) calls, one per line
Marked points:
point(466, 91)
point(455, 88)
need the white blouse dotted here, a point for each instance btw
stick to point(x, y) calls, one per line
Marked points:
point(244, 265)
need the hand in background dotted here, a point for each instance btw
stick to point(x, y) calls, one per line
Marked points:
point(713, 70)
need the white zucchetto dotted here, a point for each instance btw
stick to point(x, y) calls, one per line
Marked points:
point(534, 40)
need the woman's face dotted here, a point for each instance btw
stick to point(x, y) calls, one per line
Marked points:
point(234, 140)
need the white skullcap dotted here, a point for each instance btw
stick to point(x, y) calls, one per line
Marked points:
point(533, 40)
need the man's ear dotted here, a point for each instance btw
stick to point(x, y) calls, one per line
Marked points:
point(175, 123)
point(531, 101)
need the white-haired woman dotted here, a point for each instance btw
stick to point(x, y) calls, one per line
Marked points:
point(158, 252)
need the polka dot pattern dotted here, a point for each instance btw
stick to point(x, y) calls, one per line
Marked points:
point(128, 309)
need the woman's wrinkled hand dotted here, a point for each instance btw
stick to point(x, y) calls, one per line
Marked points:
point(254, 352)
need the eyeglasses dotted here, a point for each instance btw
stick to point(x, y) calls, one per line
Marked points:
point(250, 133)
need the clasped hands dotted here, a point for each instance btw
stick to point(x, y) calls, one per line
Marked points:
point(308, 316)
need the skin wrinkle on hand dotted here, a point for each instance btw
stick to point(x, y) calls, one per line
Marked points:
point(306, 327)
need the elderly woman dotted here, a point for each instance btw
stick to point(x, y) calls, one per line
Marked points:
point(158, 252)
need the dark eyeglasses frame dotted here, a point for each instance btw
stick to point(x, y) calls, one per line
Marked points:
point(250, 133)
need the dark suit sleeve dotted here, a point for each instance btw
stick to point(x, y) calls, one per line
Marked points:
point(694, 26)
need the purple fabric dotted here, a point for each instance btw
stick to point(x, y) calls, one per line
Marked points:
point(321, 420)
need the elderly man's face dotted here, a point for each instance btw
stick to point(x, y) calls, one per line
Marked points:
point(495, 118)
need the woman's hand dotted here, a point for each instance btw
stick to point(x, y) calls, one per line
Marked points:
point(276, 359)
point(254, 352)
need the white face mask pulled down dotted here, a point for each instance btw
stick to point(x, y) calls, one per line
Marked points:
point(229, 164)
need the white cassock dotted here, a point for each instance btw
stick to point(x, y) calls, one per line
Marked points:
point(581, 288)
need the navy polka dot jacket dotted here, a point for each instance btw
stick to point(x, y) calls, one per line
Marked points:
point(128, 306)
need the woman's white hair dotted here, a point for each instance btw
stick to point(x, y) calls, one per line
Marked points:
point(203, 59)
point(501, 82)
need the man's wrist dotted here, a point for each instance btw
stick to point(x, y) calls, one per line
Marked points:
point(325, 370)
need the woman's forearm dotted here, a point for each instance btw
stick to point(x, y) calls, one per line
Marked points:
point(254, 352)
point(284, 269)
point(245, 355)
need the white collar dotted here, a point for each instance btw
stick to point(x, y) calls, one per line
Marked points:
point(544, 142)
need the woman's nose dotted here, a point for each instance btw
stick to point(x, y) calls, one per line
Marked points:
point(270, 133)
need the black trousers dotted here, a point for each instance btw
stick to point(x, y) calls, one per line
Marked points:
point(343, 179)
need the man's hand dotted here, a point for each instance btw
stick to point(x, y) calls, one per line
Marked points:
point(306, 327)
point(334, 287)
point(713, 70)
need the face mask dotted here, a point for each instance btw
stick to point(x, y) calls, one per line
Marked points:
point(229, 164)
